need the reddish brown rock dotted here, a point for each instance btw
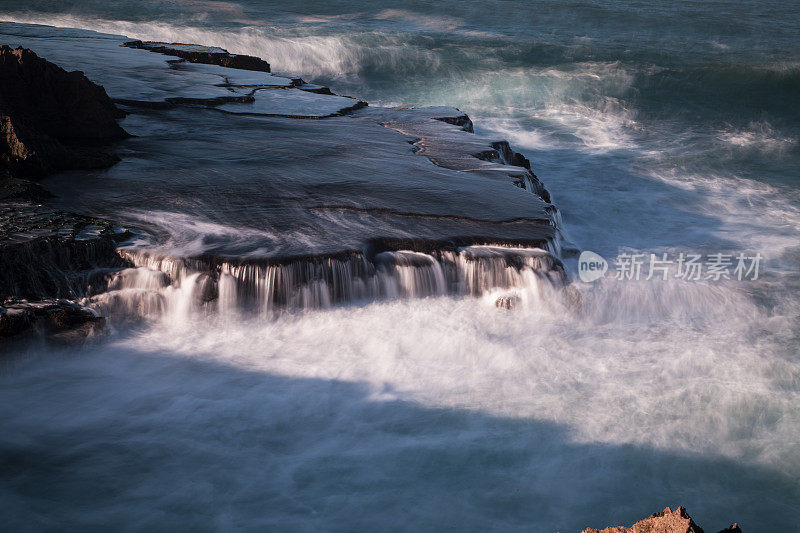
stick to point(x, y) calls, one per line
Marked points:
point(667, 521)
point(51, 119)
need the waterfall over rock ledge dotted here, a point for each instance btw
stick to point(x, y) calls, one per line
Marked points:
point(236, 204)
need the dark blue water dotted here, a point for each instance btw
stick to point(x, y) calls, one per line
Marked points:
point(657, 128)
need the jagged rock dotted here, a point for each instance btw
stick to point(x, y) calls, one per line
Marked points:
point(203, 54)
point(51, 119)
point(65, 105)
point(68, 316)
point(312, 88)
point(667, 521)
point(733, 528)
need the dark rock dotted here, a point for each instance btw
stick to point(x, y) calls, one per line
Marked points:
point(68, 315)
point(51, 119)
point(53, 266)
point(65, 105)
point(312, 88)
point(667, 521)
point(201, 54)
point(510, 157)
point(60, 320)
point(26, 151)
point(462, 121)
point(49, 253)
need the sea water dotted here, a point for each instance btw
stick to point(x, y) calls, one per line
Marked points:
point(657, 128)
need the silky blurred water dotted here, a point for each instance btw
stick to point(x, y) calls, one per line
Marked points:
point(657, 128)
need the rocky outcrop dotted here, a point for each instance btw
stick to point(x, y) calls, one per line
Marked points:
point(50, 120)
point(667, 521)
point(409, 236)
point(203, 54)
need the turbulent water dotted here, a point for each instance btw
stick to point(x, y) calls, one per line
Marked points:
point(657, 129)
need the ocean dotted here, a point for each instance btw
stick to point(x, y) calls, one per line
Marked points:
point(658, 128)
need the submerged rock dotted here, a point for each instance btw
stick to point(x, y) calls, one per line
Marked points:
point(50, 120)
point(667, 521)
point(507, 302)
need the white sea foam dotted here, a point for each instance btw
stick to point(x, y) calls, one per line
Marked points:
point(580, 105)
point(753, 215)
point(604, 373)
point(520, 137)
point(758, 135)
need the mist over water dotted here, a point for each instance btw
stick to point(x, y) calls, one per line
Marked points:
point(656, 129)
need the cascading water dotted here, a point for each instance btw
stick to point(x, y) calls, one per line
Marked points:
point(165, 285)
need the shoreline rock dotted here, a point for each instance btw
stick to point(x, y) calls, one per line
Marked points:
point(51, 120)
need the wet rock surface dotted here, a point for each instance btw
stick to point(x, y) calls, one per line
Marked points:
point(50, 253)
point(667, 521)
point(297, 103)
point(13, 188)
